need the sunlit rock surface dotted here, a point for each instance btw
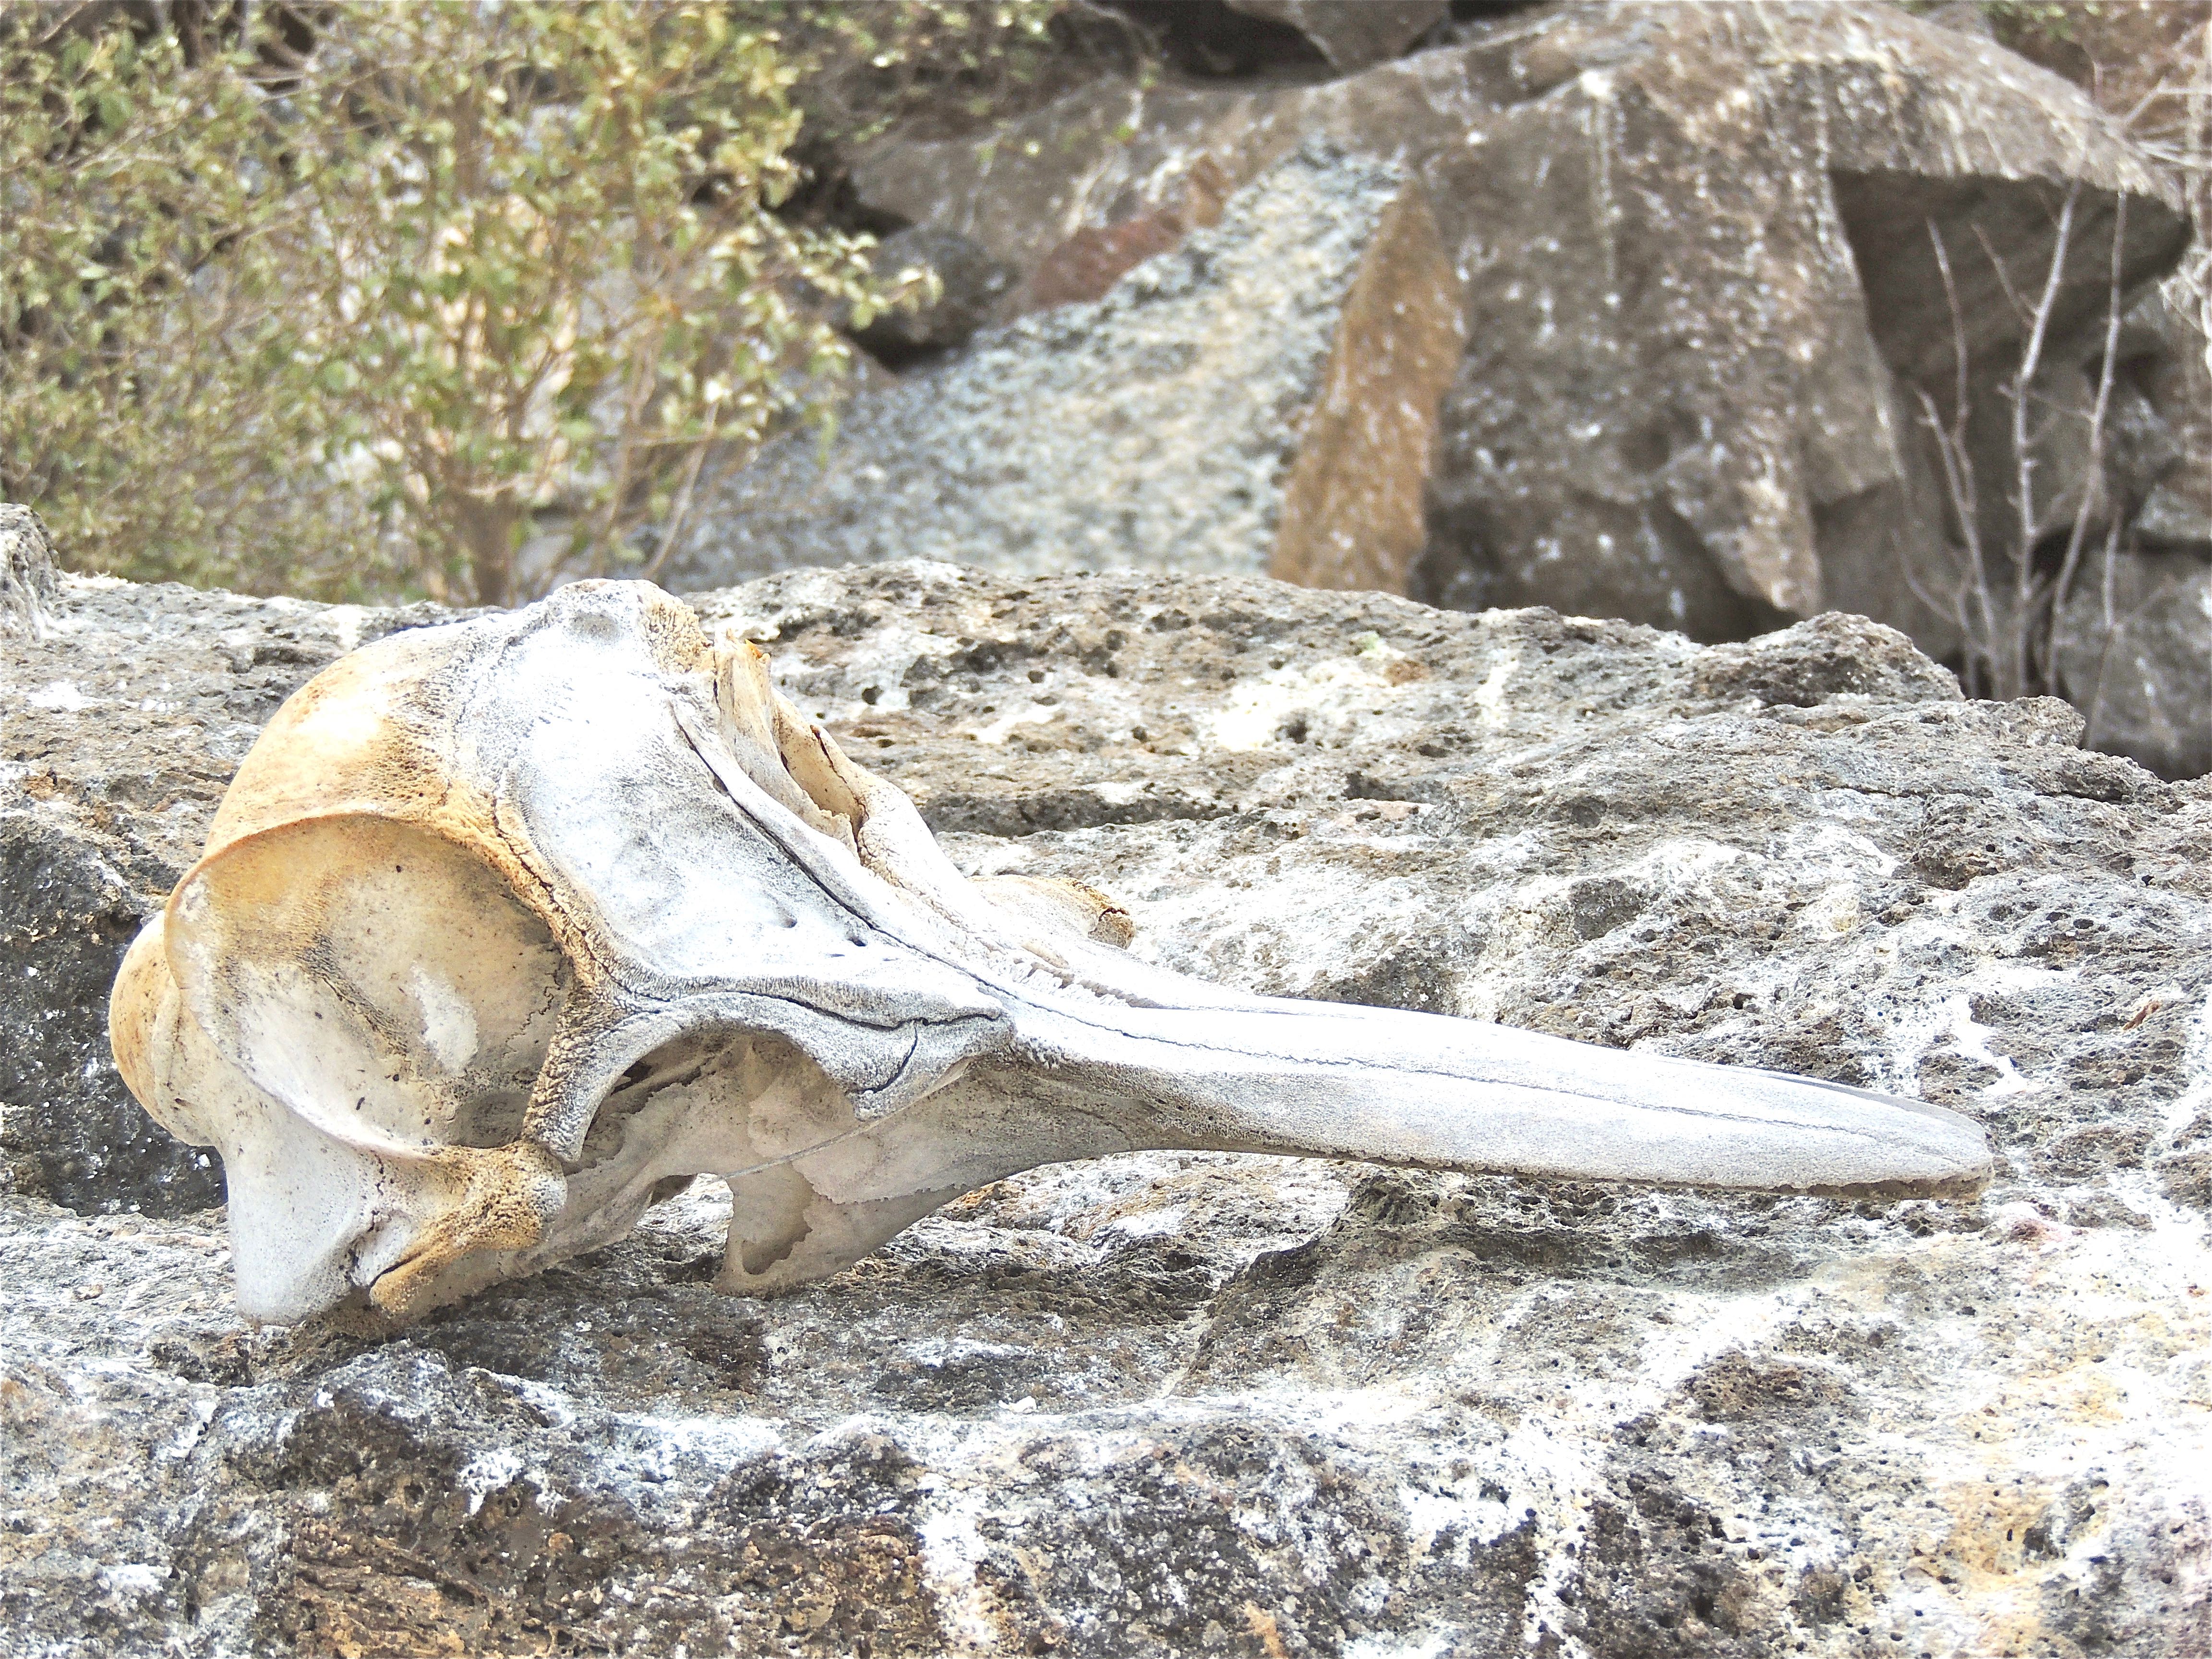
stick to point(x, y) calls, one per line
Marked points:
point(1198, 1404)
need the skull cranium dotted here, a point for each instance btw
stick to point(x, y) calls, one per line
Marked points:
point(505, 927)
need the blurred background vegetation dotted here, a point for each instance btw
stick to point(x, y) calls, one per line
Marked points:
point(354, 299)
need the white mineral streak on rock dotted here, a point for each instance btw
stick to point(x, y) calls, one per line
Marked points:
point(1432, 1646)
point(1022, 714)
point(654, 1448)
point(344, 623)
point(62, 696)
point(1328, 698)
point(1972, 1040)
point(2197, 1096)
point(482, 1476)
point(1490, 696)
point(133, 1577)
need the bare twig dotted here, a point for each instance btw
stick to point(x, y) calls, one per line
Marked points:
point(1952, 607)
point(2110, 639)
point(1959, 486)
point(1976, 608)
point(2159, 89)
point(2096, 483)
point(672, 534)
point(2009, 618)
point(638, 394)
point(2024, 452)
point(2020, 308)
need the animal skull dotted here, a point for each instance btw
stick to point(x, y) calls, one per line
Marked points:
point(506, 927)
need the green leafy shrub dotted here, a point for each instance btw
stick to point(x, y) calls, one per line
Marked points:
point(450, 299)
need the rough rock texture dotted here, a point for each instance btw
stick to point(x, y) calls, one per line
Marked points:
point(1089, 263)
point(28, 574)
point(117, 734)
point(2173, 364)
point(1261, 398)
point(1699, 280)
point(1196, 1404)
point(2144, 679)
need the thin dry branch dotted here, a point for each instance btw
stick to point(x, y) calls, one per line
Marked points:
point(2020, 306)
point(2024, 448)
point(1975, 608)
point(2097, 484)
point(678, 525)
point(2006, 611)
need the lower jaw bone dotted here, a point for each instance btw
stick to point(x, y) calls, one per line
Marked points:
point(506, 927)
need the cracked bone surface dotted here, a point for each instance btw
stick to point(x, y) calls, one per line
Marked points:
point(506, 926)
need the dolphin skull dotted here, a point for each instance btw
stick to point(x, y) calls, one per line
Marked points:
point(506, 927)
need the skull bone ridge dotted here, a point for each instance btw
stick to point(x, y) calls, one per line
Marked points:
point(507, 927)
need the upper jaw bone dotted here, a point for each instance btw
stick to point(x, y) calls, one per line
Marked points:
point(505, 927)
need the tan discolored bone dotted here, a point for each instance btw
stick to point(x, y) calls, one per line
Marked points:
point(506, 926)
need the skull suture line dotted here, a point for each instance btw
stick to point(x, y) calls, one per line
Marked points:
point(504, 927)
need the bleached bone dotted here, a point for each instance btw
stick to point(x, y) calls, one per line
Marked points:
point(504, 927)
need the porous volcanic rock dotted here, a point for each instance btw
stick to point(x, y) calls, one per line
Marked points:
point(1260, 398)
point(1201, 1404)
point(1697, 243)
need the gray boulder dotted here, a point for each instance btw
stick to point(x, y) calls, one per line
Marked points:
point(1261, 398)
point(1087, 265)
point(2142, 670)
point(2169, 350)
point(2145, 687)
point(1700, 288)
point(1171, 1405)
